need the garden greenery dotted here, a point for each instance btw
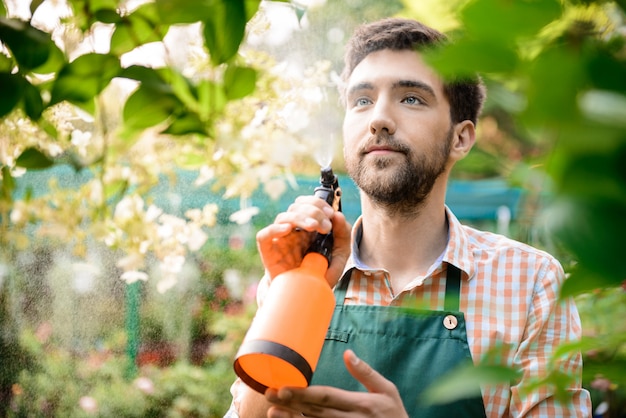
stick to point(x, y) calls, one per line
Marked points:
point(77, 94)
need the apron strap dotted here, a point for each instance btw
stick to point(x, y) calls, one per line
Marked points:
point(453, 288)
point(342, 287)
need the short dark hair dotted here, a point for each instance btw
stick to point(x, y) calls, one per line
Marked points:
point(466, 96)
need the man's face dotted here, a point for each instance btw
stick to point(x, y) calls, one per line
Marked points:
point(397, 129)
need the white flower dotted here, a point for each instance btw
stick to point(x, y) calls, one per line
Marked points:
point(153, 213)
point(244, 215)
point(166, 283)
point(132, 261)
point(144, 384)
point(134, 275)
point(88, 404)
point(197, 238)
point(128, 207)
point(172, 263)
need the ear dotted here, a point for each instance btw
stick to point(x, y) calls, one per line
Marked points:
point(463, 139)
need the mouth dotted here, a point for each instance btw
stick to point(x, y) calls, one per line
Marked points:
point(381, 150)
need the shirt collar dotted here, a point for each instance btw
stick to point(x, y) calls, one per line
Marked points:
point(458, 250)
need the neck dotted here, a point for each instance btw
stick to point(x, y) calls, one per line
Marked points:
point(406, 246)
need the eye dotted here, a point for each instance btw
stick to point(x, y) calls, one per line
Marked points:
point(362, 101)
point(412, 100)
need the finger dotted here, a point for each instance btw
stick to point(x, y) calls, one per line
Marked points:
point(273, 231)
point(341, 248)
point(308, 218)
point(373, 381)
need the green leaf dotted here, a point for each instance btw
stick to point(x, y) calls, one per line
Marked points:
point(3, 9)
point(552, 92)
point(467, 57)
point(6, 64)
point(185, 124)
point(32, 158)
point(592, 230)
point(30, 46)
point(183, 11)
point(462, 383)
point(211, 97)
point(239, 81)
point(8, 184)
point(506, 20)
point(84, 78)
point(148, 107)
point(145, 75)
point(34, 5)
point(224, 29)
point(140, 27)
point(11, 86)
point(108, 16)
point(33, 104)
point(252, 6)
point(56, 60)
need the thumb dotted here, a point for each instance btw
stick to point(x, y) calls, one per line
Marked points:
point(373, 381)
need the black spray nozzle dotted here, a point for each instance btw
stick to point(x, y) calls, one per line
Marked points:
point(330, 191)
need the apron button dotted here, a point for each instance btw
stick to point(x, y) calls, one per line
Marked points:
point(450, 321)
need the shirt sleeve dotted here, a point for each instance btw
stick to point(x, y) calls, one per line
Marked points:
point(237, 389)
point(551, 323)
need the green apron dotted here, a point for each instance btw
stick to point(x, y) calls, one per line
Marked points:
point(410, 347)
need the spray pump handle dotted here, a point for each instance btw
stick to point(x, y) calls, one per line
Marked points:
point(330, 191)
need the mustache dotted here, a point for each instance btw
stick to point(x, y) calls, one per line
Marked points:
point(385, 140)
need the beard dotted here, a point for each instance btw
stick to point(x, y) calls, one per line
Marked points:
point(399, 187)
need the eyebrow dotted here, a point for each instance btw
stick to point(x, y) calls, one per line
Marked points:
point(398, 84)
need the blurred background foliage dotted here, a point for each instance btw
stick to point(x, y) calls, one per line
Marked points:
point(126, 95)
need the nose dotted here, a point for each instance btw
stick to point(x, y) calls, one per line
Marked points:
point(382, 118)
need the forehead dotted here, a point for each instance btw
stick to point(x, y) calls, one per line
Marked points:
point(387, 67)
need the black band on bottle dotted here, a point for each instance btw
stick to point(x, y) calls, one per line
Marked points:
point(273, 349)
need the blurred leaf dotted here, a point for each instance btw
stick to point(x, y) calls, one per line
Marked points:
point(84, 78)
point(182, 87)
point(8, 184)
point(467, 57)
point(252, 6)
point(108, 16)
point(183, 11)
point(11, 88)
point(239, 81)
point(552, 91)
point(30, 46)
point(188, 123)
point(32, 158)
point(34, 5)
point(3, 10)
point(140, 27)
point(56, 60)
point(6, 64)
point(33, 104)
point(507, 20)
point(593, 231)
point(462, 383)
point(594, 175)
point(211, 97)
point(143, 74)
point(581, 280)
point(224, 29)
point(608, 107)
point(148, 107)
point(606, 72)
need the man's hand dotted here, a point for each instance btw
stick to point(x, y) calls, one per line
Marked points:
point(381, 399)
point(283, 243)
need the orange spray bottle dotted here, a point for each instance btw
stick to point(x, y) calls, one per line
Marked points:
point(285, 340)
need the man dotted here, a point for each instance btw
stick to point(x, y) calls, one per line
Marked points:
point(404, 129)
